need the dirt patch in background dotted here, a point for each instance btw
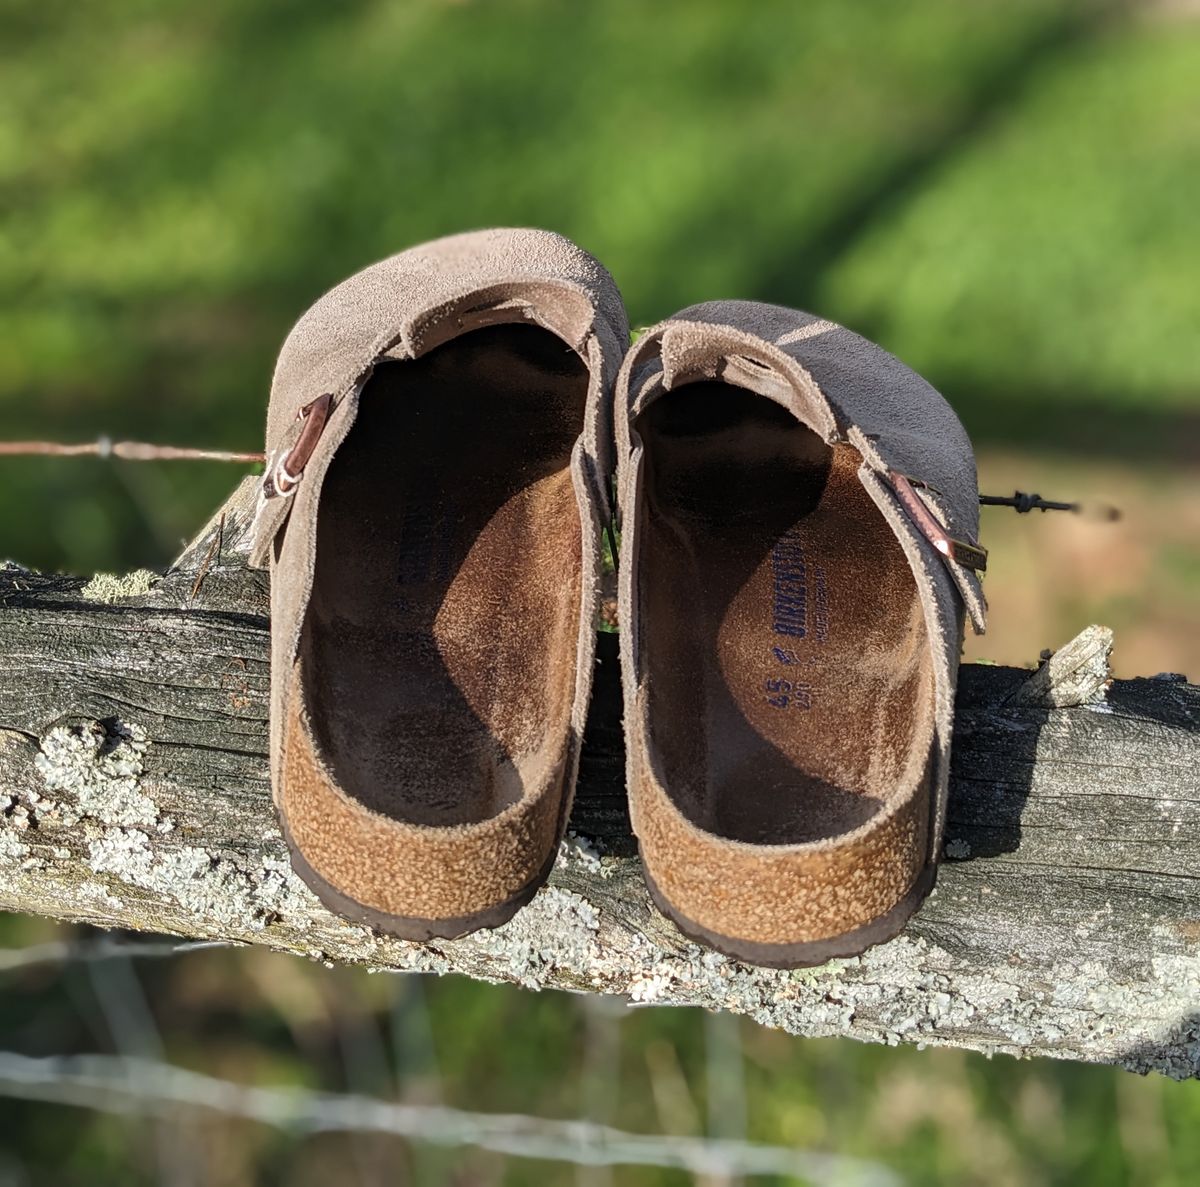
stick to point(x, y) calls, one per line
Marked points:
point(1051, 574)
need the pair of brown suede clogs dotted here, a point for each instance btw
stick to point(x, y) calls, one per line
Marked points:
point(799, 513)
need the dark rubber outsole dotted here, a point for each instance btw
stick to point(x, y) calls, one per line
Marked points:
point(809, 953)
point(408, 928)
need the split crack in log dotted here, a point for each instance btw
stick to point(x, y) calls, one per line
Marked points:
point(1066, 923)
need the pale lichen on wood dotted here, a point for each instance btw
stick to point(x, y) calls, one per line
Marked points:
point(1076, 674)
point(133, 791)
point(115, 587)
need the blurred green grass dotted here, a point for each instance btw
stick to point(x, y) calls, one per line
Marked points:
point(934, 1117)
point(1001, 192)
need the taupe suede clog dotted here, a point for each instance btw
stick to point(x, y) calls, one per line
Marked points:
point(799, 514)
point(438, 444)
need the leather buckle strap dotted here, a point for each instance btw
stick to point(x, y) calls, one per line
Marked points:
point(282, 477)
point(963, 552)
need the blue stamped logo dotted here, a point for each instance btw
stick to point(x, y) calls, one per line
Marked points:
point(790, 573)
point(799, 611)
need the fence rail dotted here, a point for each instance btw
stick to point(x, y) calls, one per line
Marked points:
point(1066, 922)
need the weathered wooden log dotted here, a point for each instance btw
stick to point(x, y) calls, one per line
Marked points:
point(133, 785)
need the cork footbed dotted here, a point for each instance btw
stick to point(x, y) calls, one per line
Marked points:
point(788, 671)
point(438, 650)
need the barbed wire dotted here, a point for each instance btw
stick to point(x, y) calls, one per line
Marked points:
point(66, 951)
point(142, 451)
point(113, 1084)
point(130, 451)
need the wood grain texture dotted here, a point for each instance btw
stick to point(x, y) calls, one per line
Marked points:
point(1066, 922)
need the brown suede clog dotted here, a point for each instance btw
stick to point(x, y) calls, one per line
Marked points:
point(799, 512)
point(437, 441)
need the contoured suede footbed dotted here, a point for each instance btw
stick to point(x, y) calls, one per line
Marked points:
point(790, 690)
point(438, 651)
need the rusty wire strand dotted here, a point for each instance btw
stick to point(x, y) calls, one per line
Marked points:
point(142, 451)
point(130, 451)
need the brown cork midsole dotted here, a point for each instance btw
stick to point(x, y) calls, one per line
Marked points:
point(809, 952)
point(406, 927)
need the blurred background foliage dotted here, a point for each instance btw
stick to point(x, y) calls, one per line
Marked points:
point(1002, 192)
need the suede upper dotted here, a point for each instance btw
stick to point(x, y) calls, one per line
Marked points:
point(864, 405)
point(402, 309)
